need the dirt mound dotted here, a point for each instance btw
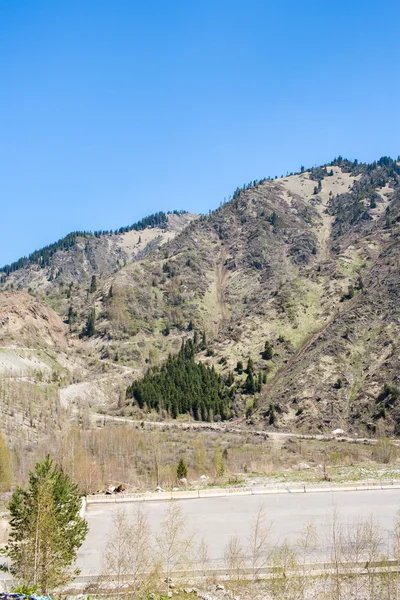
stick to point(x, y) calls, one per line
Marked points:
point(25, 321)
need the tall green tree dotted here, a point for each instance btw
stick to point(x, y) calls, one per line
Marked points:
point(46, 529)
point(268, 352)
point(93, 284)
point(182, 469)
point(91, 323)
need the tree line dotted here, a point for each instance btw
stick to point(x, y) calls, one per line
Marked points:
point(42, 256)
point(183, 386)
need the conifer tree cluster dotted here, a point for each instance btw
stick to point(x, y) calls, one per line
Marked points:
point(183, 386)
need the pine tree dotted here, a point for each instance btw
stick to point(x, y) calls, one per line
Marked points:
point(274, 219)
point(239, 367)
point(93, 284)
point(91, 323)
point(259, 382)
point(46, 529)
point(204, 341)
point(271, 413)
point(250, 385)
point(182, 469)
point(268, 351)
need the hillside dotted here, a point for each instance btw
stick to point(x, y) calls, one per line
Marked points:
point(299, 274)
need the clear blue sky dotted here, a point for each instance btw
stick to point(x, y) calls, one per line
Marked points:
point(110, 111)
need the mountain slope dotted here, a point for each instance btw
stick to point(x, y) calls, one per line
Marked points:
point(299, 274)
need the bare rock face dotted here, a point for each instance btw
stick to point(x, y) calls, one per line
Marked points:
point(24, 320)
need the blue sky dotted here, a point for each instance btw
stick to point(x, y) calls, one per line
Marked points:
point(110, 111)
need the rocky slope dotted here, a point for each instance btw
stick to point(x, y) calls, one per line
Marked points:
point(307, 263)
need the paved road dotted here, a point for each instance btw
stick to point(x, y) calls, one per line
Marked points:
point(217, 519)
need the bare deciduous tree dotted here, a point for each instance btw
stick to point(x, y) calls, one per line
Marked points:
point(175, 545)
point(234, 561)
point(129, 559)
point(258, 542)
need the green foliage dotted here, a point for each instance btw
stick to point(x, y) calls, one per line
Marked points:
point(351, 207)
point(93, 284)
point(182, 386)
point(219, 464)
point(268, 351)
point(182, 469)
point(250, 385)
point(25, 589)
point(90, 328)
point(339, 384)
point(46, 529)
point(272, 416)
point(239, 367)
point(260, 382)
point(249, 408)
point(274, 220)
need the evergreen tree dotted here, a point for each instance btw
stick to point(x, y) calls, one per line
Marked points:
point(182, 469)
point(239, 367)
point(46, 529)
point(91, 323)
point(203, 345)
point(268, 351)
point(93, 284)
point(259, 382)
point(250, 384)
point(271, 413)
point(230, 379)
point(274, 219)
point(250, 366)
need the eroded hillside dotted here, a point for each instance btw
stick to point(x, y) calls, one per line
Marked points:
point(299, 274)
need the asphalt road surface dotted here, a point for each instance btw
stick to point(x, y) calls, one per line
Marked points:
point(217, 519)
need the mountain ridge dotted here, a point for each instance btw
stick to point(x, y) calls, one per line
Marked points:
point(289, 264)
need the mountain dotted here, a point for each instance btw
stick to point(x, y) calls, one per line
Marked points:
point(298, 274)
